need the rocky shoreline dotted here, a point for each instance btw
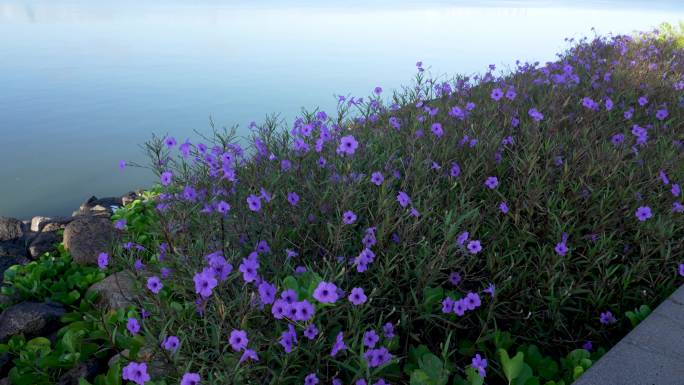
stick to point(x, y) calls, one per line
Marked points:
point(88, 232)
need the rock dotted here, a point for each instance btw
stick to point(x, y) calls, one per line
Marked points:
point(37, 223)
point(10, 228)
point(30, 319)
point(128, 198)
point(98, 207)
point(85, 370)
point(5, 364)
point(44, 242)
point(86, 237)
point(5, 300)
point(12, 249)
point(115, 291)
point(7, 262)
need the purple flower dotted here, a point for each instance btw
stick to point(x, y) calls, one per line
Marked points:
point(491, 182)
point(454, 278)
point(609, 104)
point(607, 318)
point(266, 293)
point(122, 164)
point(455, 170)
point(120, 224)
point(460, 307)
point(254, 202)
point(102, 260)
point(587, 345)
point(661, 114)
point(311, 331)
point(510, 94)
point(190, 379)
point(447, 305)
point(293, 198)
point(561, 247)
point(377, 178)
point(643, 213)
point(388, 330)
point(154, 284)
point(589, 103)
point(170, 141)
point(474, 247)
point(437, 130)
point(681, 269)
point(643, 100)
point(325, 292)
point(504, 207)
point(348, 145)
point(248, 354)
point(377, 357)
point(472, 301)
point(676, 190)
point(357, 296)
point(311, 379)
point(403, 199)
point(304, 310)
point(497, 94)
point(370, 338)
point(462, 238)
point(348, 217)
point(480, 364)
point(166, 178)
point(491, 289)
point(204, 283)
point(238, 339)
point(171, 343)
point(223, 207)
point(617, 139)
point(135, 372)
point(249, 267)
point(339, 345)
point(535, 114)
point(133, 326)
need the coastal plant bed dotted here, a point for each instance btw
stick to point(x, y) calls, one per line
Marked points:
point(501, 229)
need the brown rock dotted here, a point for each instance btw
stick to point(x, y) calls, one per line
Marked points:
point(115, 291)
point(87, 236)
point(10, 228)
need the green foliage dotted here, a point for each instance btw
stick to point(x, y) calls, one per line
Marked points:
point(87, 334)
point(638, 315)
point(52, 277)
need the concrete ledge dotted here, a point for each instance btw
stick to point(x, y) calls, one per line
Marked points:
point(651, 354)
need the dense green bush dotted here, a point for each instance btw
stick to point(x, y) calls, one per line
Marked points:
point(398, 239)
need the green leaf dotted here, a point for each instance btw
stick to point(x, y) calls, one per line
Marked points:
point(473, 377)
point(511, 366)
point(432, 365)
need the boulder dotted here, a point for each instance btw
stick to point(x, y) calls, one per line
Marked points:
point(39, 224)
point(87, 236)
point(30, 319)
point(98, 207)
point(86, 370)
point(115, 291)
point(7, 262)
point(12, 249)
point(42, 243)
point(10, 229)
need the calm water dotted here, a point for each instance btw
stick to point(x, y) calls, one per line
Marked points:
point(83, 83)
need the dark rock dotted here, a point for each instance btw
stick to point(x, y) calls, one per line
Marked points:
point(87, 236)
point(12, 249)
point(85, 370)
point(30, 319)
point(39, 224)
point(5, 364)
point(10, 228)
point(115, 291)
point(98, 207)
point(128, 198)
point(7, 262)
point(44, 242)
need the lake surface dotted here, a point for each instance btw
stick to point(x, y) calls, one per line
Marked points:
point(84, 83)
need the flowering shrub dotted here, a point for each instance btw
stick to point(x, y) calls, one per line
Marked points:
point(397, 239)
